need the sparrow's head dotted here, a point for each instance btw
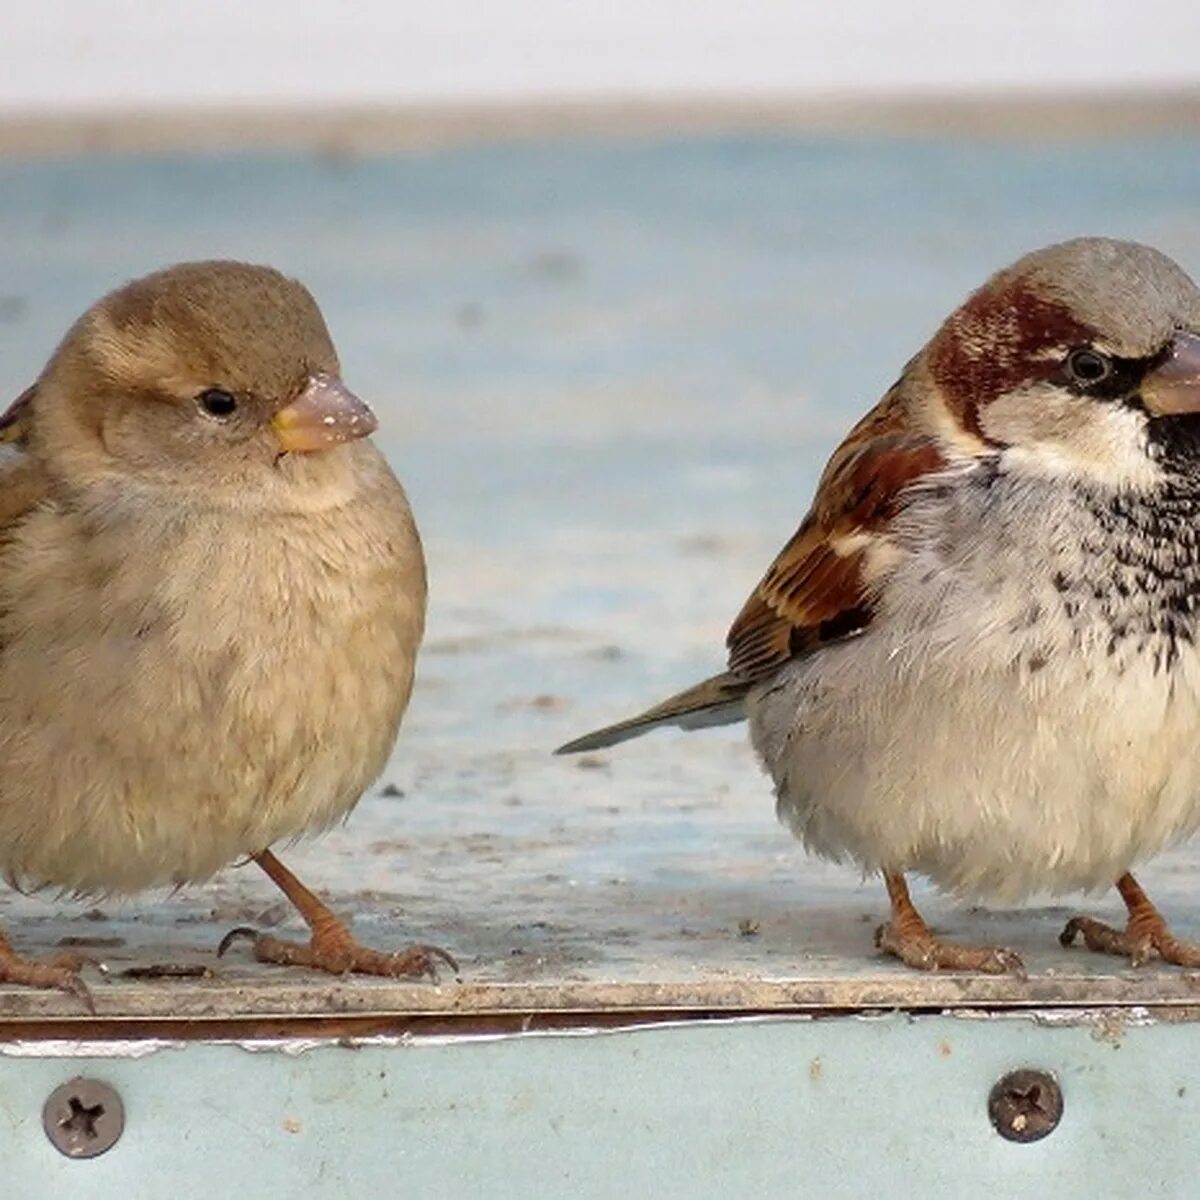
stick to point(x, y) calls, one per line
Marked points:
point(209, 375)
point(1082, 357)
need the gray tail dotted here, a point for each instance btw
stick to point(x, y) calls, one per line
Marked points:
point(720, 700)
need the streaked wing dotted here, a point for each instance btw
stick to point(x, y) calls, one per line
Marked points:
point(819, 588)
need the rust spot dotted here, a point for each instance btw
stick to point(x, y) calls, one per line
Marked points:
point(944, 1049)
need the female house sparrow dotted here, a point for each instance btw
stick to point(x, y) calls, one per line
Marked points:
point(977, 658)
point(211, 597)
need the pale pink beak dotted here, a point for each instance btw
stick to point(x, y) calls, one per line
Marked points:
point(1174, 388)
point(325, 414)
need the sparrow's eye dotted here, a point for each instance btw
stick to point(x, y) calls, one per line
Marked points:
point(1088, 367)
point(217, 403)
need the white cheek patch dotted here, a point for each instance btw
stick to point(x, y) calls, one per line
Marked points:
point(1050, 432)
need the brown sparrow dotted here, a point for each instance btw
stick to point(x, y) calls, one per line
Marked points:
point(212, 592)
point(976, 659)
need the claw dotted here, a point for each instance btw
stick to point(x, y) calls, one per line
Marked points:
point(445, 956)
point(1145, 934)
point(62, 977)
point(908, 938)
point(334, 950)
point(78, 988)
point(427, 957)
point(234, 935)
point(331, 946)
point(1066, 939)
point(921, 950)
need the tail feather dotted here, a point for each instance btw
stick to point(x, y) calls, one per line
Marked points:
point(720, 700)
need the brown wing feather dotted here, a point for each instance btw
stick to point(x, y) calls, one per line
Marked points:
point(818, 588)
point(23, 485)
point(14, 422)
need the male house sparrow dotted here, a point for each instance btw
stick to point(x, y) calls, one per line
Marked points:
point(211, 597)
point(976, 659)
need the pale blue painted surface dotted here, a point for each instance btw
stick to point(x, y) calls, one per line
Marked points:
point(609, 374)
point(846, 1109)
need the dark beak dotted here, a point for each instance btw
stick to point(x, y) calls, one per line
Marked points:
point(325, 414)
point(1174, 388)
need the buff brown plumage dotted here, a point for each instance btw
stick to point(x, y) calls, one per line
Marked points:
point(212, 593)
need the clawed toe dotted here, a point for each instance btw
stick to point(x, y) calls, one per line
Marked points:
point(72, 983)
point(332, 949)
point(424, 960)
point(60, 973)
point(1145, 937)
point(241, 933)
point(1145, 934)
point(1098, 936)
point(908, 938)
point(922, 951)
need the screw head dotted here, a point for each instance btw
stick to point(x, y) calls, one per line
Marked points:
point(83, 1118)
point(1025, 1105)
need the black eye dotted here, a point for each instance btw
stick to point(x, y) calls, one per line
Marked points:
point(1088, 367)
point(217, 403)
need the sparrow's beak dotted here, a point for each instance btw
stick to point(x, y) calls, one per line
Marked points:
point(325, 414)
point(1174, 388)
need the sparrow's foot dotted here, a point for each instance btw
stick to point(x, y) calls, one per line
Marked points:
point(922, 951)
point(59, 972)
point(332, 948)
point(1145, 934)
point(908, 938)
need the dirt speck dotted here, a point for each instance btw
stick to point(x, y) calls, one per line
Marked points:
point(168, 971)
point(556, 266)
point(608, 653)
point(702, 545)
point(545, 702)
point(469, 315)
point(1110, 1027)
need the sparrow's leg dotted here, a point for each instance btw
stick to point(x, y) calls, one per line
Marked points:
point(1145, 934)
point(908, 937)
point(332, 947)
point(60, 971)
